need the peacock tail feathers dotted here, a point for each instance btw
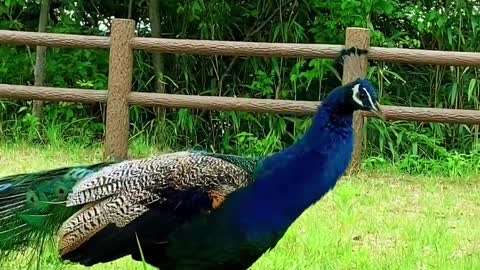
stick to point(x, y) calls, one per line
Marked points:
point(32, 206)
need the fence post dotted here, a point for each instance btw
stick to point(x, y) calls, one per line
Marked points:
point(119, 85)
point(359, 38)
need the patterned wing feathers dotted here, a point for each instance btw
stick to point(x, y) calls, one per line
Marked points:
point(132, 174)
point(119, 210)
point(122, 192)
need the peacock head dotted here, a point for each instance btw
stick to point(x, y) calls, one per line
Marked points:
point(362, 95)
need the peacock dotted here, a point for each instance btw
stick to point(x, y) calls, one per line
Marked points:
point(184, 210)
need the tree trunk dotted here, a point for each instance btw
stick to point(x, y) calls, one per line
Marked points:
point(130, 9)
point(40, 59)
point(155, 24)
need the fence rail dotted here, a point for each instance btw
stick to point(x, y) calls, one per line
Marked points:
point(240, 48)
point(122, 43)
point(215, 103)
point(54, 40)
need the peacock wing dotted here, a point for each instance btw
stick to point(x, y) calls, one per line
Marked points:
point(118, 198)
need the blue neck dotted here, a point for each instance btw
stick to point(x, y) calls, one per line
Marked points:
point(328, 120)
point(292, 180)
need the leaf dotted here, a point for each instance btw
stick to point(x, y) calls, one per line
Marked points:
point(471, 87)
point(387, 7)
point(22, 109)
point(441, 21)
point(453, 93)
point(421, 26)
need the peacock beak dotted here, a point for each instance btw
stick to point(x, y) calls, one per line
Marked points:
point(377, 110)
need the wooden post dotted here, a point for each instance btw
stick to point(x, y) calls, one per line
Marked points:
point(119, 85)
point(359, 38)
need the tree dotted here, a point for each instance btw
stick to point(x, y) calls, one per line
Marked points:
point(41, 58)
point(155, 24)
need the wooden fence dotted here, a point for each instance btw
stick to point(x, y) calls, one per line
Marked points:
point(119, 97)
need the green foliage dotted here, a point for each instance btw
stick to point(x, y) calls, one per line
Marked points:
point(414, 147)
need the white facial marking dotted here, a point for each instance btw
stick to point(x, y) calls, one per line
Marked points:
point(354, 96)
point(370, 100)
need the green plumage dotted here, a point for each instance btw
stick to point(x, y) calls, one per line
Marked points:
point(248, 164)
point(32, 206)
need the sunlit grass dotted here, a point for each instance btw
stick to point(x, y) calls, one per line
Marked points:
point(371, 221)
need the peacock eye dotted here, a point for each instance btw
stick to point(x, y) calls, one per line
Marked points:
point(362, 95)
point(32, 197)
point(61, 192)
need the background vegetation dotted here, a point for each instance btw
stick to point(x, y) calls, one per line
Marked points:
point(436, 149)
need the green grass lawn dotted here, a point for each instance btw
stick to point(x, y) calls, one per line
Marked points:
point(371, 221)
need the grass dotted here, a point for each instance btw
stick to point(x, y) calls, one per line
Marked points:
point(376, 220)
